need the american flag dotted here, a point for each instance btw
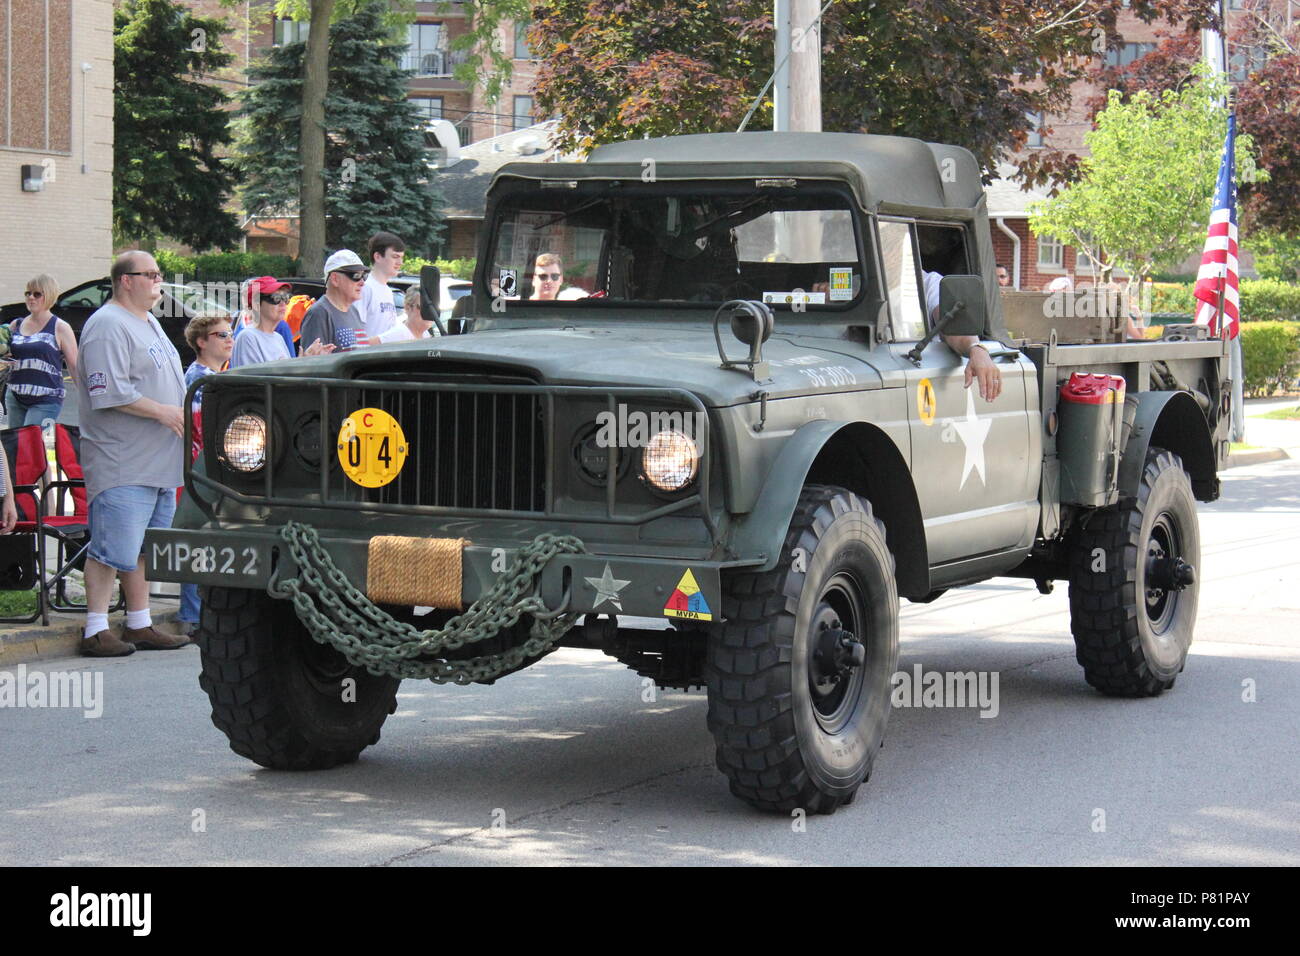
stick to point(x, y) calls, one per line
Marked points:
point(347, 339)
point(1218, 272)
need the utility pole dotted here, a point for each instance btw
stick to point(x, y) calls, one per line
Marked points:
point(797, 87)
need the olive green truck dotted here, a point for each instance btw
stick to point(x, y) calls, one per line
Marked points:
point(702, 417)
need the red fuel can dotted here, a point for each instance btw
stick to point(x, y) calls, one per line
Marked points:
point(1091, 413)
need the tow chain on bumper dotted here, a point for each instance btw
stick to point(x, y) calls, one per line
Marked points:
point(338, 614)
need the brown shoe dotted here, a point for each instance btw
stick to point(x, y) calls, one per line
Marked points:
point(148, 639)
point(105, 644)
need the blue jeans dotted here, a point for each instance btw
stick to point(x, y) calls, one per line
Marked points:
point(119, 518)
point(189, 612)
point(21, 414)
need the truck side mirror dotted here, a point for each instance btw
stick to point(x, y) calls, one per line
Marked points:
point(430, 289)
point(966, 295)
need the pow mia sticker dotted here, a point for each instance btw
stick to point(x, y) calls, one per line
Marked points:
point(96, 382)
point(508, 283)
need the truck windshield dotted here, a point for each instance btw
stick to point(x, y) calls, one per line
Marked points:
point(659, 244)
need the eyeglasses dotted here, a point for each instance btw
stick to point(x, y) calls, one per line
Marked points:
point(223, 335)
point(354, 276)
point(553, 276)
point(148, 275)
point(34, 295)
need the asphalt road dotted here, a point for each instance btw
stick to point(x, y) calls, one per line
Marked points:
point(572, 765)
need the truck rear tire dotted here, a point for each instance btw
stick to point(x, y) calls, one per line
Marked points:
point(1134, 584)
point(280, 696)
point(798, 714)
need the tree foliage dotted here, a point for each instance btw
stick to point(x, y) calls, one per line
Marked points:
point(964, 72)
point(1144, 192)
point(375, 170)
point(170, 126)
point(1267, 47)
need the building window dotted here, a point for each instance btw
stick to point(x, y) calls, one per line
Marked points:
point(523, 111)
point(1051, 254)
point(426, 53)
point(1036, 128)
point(522, 50)
point(430, 107)
point(1245, 59)
point(290, 31)
point(1126, 53)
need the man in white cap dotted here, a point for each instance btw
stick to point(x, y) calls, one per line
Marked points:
point(334, 318)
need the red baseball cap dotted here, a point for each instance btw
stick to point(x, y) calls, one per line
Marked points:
point(263, 285)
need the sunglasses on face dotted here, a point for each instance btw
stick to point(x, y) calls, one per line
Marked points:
point(34, 295)
point(222, 335)
point(354, 276)
point(553, 276)
point(279, 298)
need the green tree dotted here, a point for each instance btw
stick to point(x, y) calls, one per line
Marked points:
point(375, 165)
point(1142, 199)
point(956, 71)
point(169, 126)
point(1276, 256)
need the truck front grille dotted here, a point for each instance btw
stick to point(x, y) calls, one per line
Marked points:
point(468, 450)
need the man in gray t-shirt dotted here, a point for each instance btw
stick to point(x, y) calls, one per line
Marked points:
point(131, 390)
point(337, 310)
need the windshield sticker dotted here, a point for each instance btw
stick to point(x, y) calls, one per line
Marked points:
point(841, 284)
point(798, 295)
point(507, 283)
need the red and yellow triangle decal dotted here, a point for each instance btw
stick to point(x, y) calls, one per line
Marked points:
point(687, 600)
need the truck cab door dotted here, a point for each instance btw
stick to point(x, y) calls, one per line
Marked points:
point(973, 462)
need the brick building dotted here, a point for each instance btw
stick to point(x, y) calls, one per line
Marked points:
point(56, 141)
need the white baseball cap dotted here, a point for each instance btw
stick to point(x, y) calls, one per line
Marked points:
point(343, 259)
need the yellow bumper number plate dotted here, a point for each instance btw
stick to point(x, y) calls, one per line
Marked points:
point(372, 448)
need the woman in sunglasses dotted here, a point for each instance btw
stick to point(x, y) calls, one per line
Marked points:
point(42, 344)
point(265, 339)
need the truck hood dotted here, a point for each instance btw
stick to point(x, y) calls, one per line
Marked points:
point(639, 356)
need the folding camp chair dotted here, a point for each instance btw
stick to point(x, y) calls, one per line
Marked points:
point(20, 553)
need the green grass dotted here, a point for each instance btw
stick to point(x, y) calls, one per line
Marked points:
point(1286, 414)
point(14, 603)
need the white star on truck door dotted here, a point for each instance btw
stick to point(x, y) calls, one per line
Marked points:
point(972, 431)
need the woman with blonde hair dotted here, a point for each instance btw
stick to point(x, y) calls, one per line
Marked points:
point(42, 344)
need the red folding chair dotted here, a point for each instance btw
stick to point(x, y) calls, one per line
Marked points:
point(24, 568)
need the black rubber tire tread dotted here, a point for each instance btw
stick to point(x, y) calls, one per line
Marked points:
point(1106, 607)
point(247, 641)
point(749, 672)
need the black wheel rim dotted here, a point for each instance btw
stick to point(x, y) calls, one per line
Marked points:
point(324, 667)
point(835, 690)
point(1164, 546)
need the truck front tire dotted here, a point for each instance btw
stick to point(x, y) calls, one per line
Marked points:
point(797, 711)
point(1134, 580)
point(283, 700)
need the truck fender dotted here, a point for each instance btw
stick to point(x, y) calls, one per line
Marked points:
point(852, 455)
point(1170, 420)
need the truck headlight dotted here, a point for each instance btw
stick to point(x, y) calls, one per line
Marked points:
point(670, 460)
point(244, 443)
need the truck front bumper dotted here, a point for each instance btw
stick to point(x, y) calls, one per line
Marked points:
point(610, 584)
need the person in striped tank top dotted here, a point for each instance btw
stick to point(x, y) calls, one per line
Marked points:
point(42, 344)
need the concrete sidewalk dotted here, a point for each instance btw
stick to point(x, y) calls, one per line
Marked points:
point(26, 643)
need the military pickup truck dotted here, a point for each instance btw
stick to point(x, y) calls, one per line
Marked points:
point(705, 421)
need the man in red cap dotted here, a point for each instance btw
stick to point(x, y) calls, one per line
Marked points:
point(268, 339)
